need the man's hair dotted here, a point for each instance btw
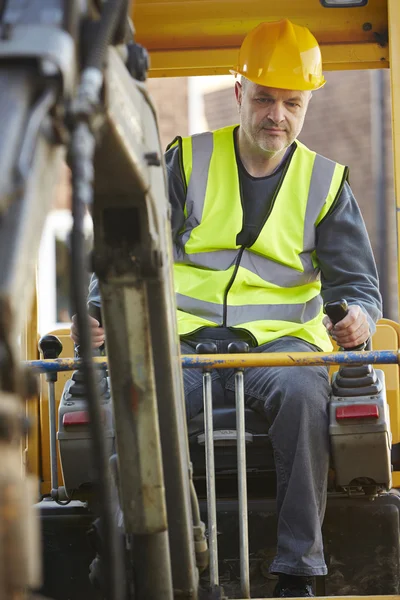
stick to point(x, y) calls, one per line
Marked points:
point(243, 83)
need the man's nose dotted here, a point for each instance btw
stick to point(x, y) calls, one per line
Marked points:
point(277, 113)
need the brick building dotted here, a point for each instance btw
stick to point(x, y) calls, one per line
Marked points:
point(171, 99)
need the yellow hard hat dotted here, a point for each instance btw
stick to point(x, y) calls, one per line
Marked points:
point(281, 55)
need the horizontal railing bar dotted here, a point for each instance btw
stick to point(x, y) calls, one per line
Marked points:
point(229, 361)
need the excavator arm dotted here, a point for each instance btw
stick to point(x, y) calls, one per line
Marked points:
point(69, 79)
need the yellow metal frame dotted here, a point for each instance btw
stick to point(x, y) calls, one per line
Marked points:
point(387, 337)
point(336, 57)
point(202, 37)
point(394, 41)
point(29, 351)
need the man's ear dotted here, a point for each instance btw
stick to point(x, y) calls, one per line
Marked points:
point(238, 93)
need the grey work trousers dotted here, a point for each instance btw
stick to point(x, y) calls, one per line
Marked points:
point(295, 401)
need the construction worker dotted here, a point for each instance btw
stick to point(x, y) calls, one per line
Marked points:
point(265, 231)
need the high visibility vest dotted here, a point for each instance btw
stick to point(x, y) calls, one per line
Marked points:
point(271, 288)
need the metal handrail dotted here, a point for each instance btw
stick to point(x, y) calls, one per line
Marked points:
point(235, 361)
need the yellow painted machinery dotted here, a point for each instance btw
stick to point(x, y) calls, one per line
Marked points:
point(73, 83)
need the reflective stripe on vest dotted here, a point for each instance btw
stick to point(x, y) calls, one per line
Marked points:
point(322, 173)
point(297, 313)
point(273, 285)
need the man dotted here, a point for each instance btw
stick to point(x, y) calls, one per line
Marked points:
point(264, 232)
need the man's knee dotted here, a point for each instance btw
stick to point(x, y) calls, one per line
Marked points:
point(305, 381)
point(301, 391)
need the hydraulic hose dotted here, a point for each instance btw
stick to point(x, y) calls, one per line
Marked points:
point(81, 162)
point(81, 155)
point(112, 14)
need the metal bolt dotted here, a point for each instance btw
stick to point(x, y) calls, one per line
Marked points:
point(367, 26)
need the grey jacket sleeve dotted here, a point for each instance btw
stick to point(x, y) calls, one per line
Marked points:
point(94, 291)
point(176, 190)
point(346, 260)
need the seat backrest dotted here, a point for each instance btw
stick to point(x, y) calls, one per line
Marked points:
point(387, 337)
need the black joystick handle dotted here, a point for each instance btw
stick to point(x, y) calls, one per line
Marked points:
point(50, 346)
point(238, 347)
point(94, 311)
point(206, 348)
point(337, 311)
point(352, 380)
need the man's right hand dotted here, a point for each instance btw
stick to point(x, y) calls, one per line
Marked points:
point(97, 332)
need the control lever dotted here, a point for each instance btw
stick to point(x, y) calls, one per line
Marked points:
point(210, 348)
point(359, 428)
point(337, 311)
point(241, 347)
point(94, 311)
point(51, 347)
point(352, 380)
point(78, 389)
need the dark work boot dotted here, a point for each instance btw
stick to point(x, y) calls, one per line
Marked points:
point(291, 586)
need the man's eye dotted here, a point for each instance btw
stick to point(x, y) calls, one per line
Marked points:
point(293, 104)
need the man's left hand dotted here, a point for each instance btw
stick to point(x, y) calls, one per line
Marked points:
point(351, 331)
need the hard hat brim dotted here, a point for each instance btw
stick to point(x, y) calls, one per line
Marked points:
point(279, 81)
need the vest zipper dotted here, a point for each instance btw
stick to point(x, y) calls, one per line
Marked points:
point(228, 287)
point(242, 249)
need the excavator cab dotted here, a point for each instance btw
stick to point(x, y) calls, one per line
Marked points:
point(237, 492)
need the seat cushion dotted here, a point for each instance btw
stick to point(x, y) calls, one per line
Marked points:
point(259, 451)
point(225, 418)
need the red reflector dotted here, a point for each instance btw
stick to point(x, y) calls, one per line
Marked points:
point(78, 417)
point(357, 411)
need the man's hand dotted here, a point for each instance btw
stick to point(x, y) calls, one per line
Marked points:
point(98, 334)
point(351, 331)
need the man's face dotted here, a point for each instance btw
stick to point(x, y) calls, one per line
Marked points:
point(271, 118)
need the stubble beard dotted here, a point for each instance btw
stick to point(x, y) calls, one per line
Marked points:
point(269, 145)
